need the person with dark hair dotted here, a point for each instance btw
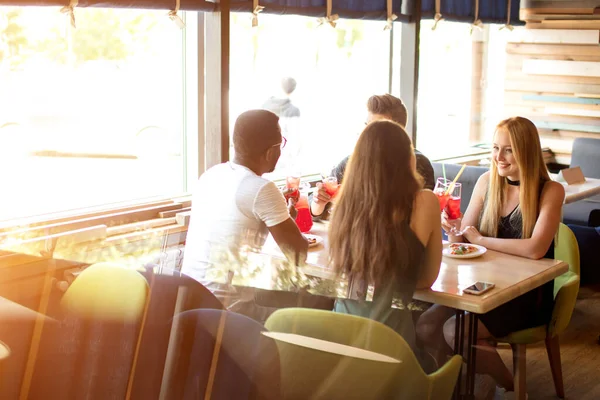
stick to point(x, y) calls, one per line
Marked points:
point(379, 107)
point(234, 206)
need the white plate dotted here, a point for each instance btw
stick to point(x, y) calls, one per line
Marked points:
point(318, 239)
point(480, 251)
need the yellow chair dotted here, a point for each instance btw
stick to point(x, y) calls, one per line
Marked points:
point(107, 291)
point(566, 288)
point(314, 378)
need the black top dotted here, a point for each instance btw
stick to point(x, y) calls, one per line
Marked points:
point(398, 291)
point(424, 168)
point(529, 310)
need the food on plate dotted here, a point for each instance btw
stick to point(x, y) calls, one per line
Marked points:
point(460, 249)
point(311, 240)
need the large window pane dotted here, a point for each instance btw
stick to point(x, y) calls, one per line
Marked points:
point(444, 104)
point(336, 71)
point(88, 115)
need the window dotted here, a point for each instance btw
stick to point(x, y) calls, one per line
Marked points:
point(336, 70)
point(89, 115)
point(444, 106)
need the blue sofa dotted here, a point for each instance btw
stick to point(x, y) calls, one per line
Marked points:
point(585, 154)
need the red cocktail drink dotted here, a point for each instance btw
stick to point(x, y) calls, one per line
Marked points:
point(293, 183)
point(303, 219)
point(453, 207)
point(331, 186)
point(442, 198)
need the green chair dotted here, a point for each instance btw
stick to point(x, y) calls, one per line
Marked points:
point(343, 380)
point(566, 288)
point(107, 291)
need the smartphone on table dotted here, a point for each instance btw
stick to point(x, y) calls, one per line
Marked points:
point(479, 288)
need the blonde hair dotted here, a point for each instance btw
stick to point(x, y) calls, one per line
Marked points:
point(366, 239)
point(526, 148)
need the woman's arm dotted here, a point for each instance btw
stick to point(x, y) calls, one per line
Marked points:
point(551, 202)
point(425, 223)
point(471, 217)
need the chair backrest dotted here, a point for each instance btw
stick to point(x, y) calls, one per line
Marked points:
point(224, 354)
point(566, 286)
point(410, 382)
point(584, 154)
point(564, 303)
point(468, 179)
point(107, 291)
point(171, 293)
point(567, 250)
point(96, 338)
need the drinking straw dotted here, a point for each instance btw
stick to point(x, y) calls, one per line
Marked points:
point(451, 187)
point(444, 171)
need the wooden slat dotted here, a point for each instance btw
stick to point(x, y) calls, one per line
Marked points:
point(137, 226)
point(183, 218)
point(162, 232)
point(542, 87)
point(518, 75)
point(172, 213)
point(572, 112)
point(566, 127)
point(529, 49)
point(565, 36)
point(564, 24)
point(561, 99)
point(69, 238)
point(514, 99)
point(568, 134)
point(106, 219)
point(557, 67)
point(70, 216)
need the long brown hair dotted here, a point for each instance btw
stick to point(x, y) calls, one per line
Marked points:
point(525, 143)
point(366, 239)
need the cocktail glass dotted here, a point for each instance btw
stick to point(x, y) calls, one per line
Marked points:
point(303, 217)
point(331, 185)
point(440, 190)
point(292, 182)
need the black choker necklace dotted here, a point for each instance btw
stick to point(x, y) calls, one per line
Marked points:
point(513, 183)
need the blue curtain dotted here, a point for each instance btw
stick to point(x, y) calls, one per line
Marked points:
point(490, 11)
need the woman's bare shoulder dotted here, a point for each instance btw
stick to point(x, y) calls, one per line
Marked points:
point(425, 203)
point(553, 189)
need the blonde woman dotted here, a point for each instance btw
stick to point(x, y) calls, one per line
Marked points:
point(515, 209)
point(385, 230)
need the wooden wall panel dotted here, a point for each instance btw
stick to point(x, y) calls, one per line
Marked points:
point(554, 80)
point(561, 36)
point(562, 68)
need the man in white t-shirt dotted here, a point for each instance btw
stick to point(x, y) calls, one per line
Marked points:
point(234, 206)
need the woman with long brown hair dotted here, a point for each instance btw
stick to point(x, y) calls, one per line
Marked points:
point(385, 230)
point(515, 208)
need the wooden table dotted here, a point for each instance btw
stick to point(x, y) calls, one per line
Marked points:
point(581, 191)
point(512, 276)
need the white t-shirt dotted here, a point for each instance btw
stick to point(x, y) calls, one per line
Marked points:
point(231, 207)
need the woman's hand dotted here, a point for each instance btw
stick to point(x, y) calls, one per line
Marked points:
point(319, 200)
point(451, 226)
point(472, 234)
